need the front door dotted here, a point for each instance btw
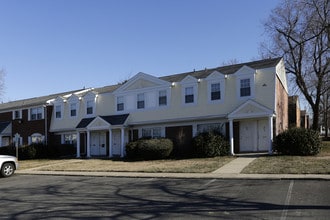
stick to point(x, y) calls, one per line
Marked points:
point(247, 131)
point(254, 136)
point(98, 143)
point(116, 142)
point(263, 135)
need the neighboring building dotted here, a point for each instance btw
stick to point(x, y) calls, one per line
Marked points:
point(28, 119)
point(248, 103)
point(304, 119)
point(294, 111)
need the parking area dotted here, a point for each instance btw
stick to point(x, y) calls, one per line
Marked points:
point(72, 197)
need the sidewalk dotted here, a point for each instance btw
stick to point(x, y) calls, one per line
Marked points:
point(232, 170)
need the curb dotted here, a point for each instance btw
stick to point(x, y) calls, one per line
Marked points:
point(182, 175)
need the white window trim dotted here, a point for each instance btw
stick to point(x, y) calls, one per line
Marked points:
point(62, 110)
point(20, 114)
point(42, 113)
point(124, 100)
point(183, 94)
point(167, 98)
point(144, 100)
point(77, 109)
point(238, 86)
point(222, 91)
point(93, 106)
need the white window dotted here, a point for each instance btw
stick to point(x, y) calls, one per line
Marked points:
point(58, 111)
point(152, 132)
point(120, 103)
point(37, 138)
point(69, 139)
point(17, 114)
point(162, 98)
point(215, 91)
point(89, 107)
point(213, 127)
point(245, 87)
point(140, 101)
point(189, 95)
point(36, 113)
point(73, 109)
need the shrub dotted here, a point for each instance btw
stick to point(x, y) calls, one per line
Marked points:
point(27, 152)
point(297, 141)
point(149, 149)
point(210, 144)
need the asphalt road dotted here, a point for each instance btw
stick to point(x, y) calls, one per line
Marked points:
point(75, 197)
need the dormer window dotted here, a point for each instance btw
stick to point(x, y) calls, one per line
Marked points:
point(58, 111)
point(245, 87)
point(215, 91)
point(189, 94)
point(245, 82)
point(73, 109)
point(90, 107)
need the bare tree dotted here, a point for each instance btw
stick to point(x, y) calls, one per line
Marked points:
point(298, 32)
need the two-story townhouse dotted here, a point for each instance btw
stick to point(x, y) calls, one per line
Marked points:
point(28, 120)
point(246, 102)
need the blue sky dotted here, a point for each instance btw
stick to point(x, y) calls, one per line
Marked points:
point(50, 46)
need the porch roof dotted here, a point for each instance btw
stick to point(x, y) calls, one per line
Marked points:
point(111, 119)
point(4, 125)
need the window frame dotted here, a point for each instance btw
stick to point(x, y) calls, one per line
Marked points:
point(58, 111)
point(251, 78)
point(120, 105)
point(39, 115)
point(19, 116)
point(162, 99)
point(140, 101)
point(90, 105)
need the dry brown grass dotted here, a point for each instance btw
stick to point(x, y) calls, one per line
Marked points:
point(197, 165)
point(319, 164)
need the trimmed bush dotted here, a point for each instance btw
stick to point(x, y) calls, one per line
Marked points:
point(210, 144)
point(297, 141)
point(149, 149)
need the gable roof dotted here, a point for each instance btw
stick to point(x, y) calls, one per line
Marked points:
point(260, 64)
point(25, 103)
point(4, 125)
point(111, 119)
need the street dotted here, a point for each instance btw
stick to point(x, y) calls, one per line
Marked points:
point(78, 197)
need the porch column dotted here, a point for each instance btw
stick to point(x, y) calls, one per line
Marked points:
point(78, 145)
point(122, 142)
point(231, 136)
point(88, 144)
point(270, 125)
point(0, 140)
point(110, 143)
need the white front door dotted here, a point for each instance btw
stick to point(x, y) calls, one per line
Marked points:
point(98, 143)
point(254, 135)
point(248, 136)
point(263, 135)
point(116, 142)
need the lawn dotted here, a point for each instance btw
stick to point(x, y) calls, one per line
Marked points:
point(273, 164)
point(319, 164)
point(196, 165)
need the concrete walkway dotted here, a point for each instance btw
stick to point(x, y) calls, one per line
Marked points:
point(235, 166)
